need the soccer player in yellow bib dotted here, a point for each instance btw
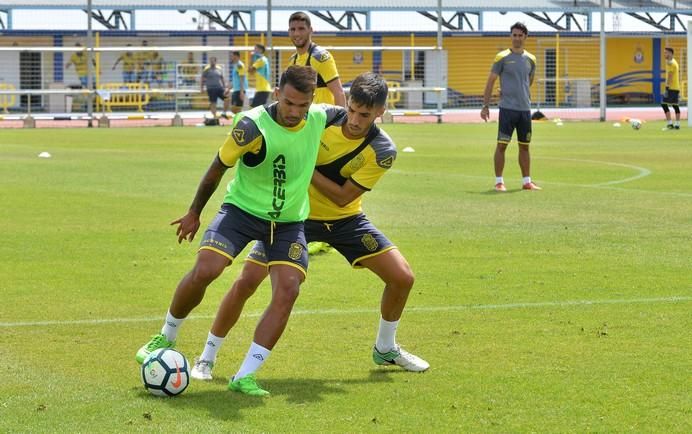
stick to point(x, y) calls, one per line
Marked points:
point(353, 156)
point(672, 94)
point(329, 89)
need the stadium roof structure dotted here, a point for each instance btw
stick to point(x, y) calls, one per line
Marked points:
point(352, 10)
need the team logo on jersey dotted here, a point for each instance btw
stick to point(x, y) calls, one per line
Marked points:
point(324, 57)
point(369, 242)
point(386, 163)
point(357, 162)
point(238, 135)
point(295, 251)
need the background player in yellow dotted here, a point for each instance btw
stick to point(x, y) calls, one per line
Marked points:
point(353, 156)
point(261, 69)
point(129, 62)
point(672, 93)
point(329, 89)
point(79, 60)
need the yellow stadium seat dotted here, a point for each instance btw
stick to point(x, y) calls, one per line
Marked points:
point(394, 95)
point(6, 100)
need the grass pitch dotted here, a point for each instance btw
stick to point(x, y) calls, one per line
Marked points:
point(565, 310)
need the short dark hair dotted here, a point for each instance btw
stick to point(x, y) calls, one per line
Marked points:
point(521, 26)
point(369, 89)
point(301, 78)
point(235, 53)
point(300, 16)
point(261, 47)
point(670, 49)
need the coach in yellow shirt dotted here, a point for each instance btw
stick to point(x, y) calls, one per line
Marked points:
point(329, 89)
point(672, 94)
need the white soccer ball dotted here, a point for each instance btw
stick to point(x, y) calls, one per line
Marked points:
point(636, 124)
point(165, 372)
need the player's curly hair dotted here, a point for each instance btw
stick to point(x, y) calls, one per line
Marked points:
point(369, 89)
point(301, 78)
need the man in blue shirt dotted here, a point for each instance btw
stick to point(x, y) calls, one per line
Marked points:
point(238, 82)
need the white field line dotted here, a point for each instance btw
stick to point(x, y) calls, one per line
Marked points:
point(422, 309)
point(643, 171)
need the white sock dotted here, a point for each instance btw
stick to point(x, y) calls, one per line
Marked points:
point(527, 179)
point(677, 123)
point(670, 122)
point(170, 327)
point(499, 180)
point(212, 347)
point(386, 336)
point(254, 360)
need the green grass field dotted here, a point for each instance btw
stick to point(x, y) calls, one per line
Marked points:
point(565, 310)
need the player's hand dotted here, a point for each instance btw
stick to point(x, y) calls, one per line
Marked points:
point(485, 113)
point(226, 92)
point(187, 226)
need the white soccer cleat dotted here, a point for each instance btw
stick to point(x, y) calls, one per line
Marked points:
point(400, 357)
point(202, 370)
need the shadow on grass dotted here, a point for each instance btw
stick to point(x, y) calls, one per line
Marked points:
point(492, 192)
point(223, 404)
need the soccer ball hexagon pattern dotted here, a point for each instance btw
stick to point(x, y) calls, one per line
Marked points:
point(165, 372)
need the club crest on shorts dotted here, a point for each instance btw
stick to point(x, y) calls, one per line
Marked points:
point(369, 242)
point(295, 251)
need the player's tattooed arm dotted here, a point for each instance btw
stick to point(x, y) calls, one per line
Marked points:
point(188, 225)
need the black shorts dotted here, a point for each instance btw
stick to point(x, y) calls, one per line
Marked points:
point(235, 99)
point(511, 120)
point(671, 97)
point(232, 229)
point(215, 93)
point(354, 237)
point(260, 98)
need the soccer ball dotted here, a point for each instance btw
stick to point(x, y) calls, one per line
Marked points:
point(636, 124)
point(165, 372)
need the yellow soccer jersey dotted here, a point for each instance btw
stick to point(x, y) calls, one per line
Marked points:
point(322, 62)
point(261, 81)
point(80, 63)
point(338, 160)
point(672, 75)
point(129, 62)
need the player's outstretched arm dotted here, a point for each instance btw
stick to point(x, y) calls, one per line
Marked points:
point(189, 223)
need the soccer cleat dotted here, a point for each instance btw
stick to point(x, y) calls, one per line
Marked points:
point(667, 127)
point(224, 115)
point(500, 187)
point(202, 370)
point(677, 127)
point(316, 247)
point(401, 358)
point(530, 186)
point(156, 342)
point(247, 385)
